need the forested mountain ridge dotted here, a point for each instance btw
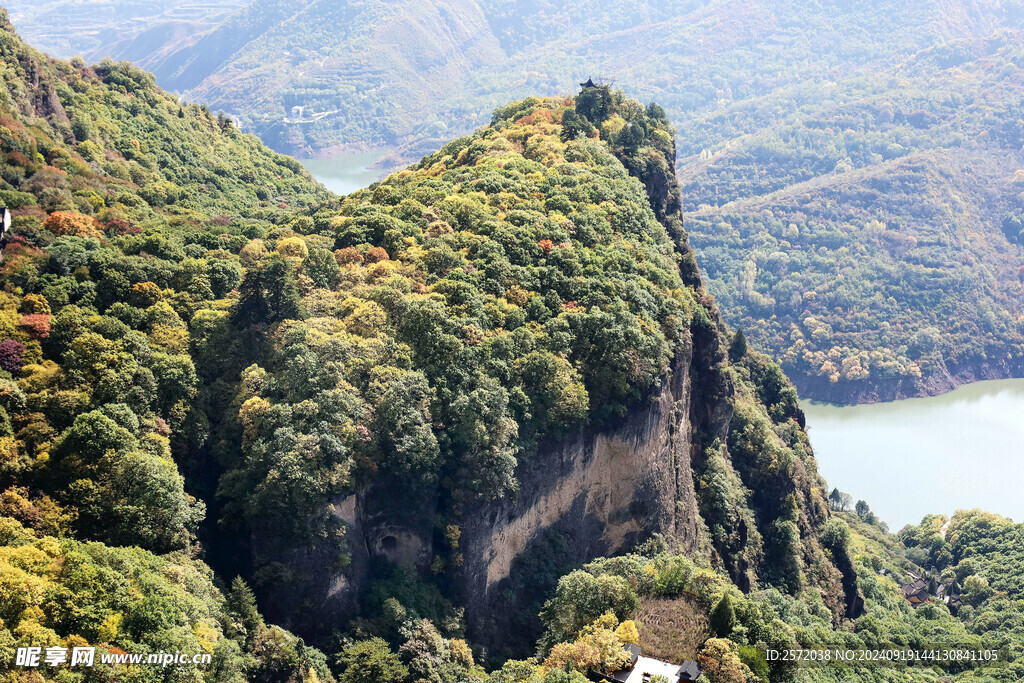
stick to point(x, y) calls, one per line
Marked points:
point(885, 134)
point(110, 130)
point(528, 316)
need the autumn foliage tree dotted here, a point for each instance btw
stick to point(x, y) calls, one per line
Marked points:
point(11, 352)
point(720, 662)
point(71, 223)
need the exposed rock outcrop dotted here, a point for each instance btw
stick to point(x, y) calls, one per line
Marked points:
point(602, 491)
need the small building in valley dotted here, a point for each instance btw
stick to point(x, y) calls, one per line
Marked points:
point(954, 603)
point(644, 670)
point(916, 592)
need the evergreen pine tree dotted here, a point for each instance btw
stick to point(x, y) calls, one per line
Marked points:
point(723, 617)
point(268, 294)
point(738, 347)
point(240, 605)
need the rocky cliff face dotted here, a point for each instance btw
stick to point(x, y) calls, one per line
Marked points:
point(607, 490)
point(602, 491)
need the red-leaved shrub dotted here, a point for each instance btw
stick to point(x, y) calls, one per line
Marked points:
point(10, 355)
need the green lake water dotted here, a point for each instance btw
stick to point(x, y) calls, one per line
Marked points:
point(345, 174)
point(964, 449)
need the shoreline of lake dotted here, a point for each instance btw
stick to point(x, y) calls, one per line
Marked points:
point(949, 377)
point(345, 174)
point(936, 454)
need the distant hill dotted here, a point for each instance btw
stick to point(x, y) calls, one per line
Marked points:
point(403, 72)
point(872, 244)
point(130, 29)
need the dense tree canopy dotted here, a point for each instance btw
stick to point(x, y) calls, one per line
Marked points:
point(127, 225)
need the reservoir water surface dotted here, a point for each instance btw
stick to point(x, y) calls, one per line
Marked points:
point(345, 174)
point(964, 449)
